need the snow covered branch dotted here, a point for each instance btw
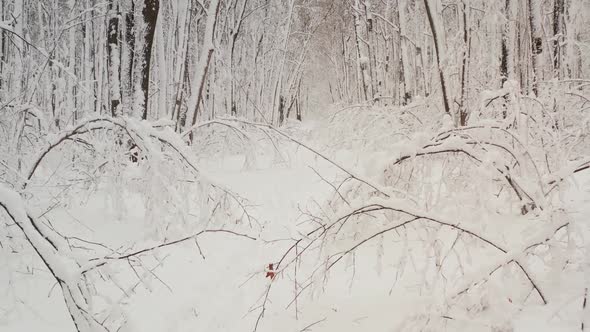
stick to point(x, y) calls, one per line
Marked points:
point(98, 262)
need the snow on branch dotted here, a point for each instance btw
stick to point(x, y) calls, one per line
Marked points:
point(70, 273)
point(131, 127)
point(472, 148)
point(509, 253)
point(387, 192)
point(61, 267)
point(98, 262)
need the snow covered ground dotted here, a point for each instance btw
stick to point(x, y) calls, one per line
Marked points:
point(220, 283)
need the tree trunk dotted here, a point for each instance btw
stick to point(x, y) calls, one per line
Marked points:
point(558, 11)
point(235, 33)
point(438, 55)
point(505, 61)
point(362, 59)
point(536, 41)
point(281, 109)
point(130, 54)
point(204, 60)
point(182, 63)
point(404, 72)
point(3, 57)
point(505, 38)
point(150, 16)
point(464, 68)
point(114, 68)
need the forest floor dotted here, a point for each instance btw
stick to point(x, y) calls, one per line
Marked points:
point(220, 289)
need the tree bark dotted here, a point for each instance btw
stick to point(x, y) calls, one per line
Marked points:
point(504, 55)
point(235, 33)
point(3, 44)
point(361, 57)
point(438, 55)
point(114, 67)
point(558, 11)
point(204, 60)
point(130, 48)
point(404, 72)
point(182, 62)
point(536, 41)
point(464, 67)
point(150, 16)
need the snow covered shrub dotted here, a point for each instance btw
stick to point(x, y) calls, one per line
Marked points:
point(472, 222)
point(119, 173)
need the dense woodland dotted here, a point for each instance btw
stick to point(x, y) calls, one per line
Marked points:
point(190, 60)
point(452, 137)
